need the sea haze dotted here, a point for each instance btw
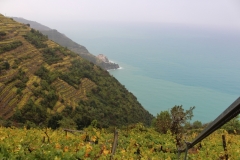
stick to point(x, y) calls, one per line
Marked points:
point(167, 65)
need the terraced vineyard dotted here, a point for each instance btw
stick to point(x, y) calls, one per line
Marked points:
point(8, 99)
point(136, 143)
point(52, 44)
point(21, 55)
point(29, 59)
point(39, 80)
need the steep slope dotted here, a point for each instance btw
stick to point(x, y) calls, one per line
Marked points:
point(43, 83)
point(67, 42)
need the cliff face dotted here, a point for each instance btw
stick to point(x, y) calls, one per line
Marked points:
point(63, 40)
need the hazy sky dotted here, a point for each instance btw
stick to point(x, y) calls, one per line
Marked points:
point(207, 13)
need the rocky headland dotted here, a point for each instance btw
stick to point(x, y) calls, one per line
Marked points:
point(108, 65)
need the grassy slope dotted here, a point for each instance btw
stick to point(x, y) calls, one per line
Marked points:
point(59, 82)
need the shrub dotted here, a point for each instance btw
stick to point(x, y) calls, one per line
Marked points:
point(197, 124)
point(10, 46)
point(36, 38)
point(163, 122)
point(2, 33)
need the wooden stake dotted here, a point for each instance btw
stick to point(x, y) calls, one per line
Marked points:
point(225, 146)
point(114, 146)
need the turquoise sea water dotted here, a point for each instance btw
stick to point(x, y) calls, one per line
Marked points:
point(167, 66)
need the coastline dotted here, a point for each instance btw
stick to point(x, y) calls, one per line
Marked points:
point(116, 68)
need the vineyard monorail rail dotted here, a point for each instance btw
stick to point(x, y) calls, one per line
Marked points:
point(232, 111)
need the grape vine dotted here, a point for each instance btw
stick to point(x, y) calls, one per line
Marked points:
point(137, 143)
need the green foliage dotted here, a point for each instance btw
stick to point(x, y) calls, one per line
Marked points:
point(10, 46)
point(36, 38)
point(104, 103)
point(5, 123)
point(50, 99)
point(70, 78)
point(4, 66)
point(35, 84)
point(23, 79)
point(233, 125)
point(174, 121)
point(187, 125)
point(67, 123)
point(47, 92)
point(179, 118)
point(79, 69)
point(110, 100)
point(197, 124)
point(109, 103)
point(16, 63)
point(51, 55)
point(19, 91)
point(46, 75)
point(80, 115)
point(94, 123)
point(43, 73)
point(31, 112)
point(163, 122)
point(2, 33)
point(53, 121)
point(29, 124)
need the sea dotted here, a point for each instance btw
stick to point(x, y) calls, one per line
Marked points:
point(165, 65)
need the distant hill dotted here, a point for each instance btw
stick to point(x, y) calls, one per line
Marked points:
point(45, 84)
point(33, 24)
point(67, 42)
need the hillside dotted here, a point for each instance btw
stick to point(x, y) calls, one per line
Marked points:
point(64, 41)
point(34, 25)
point(43, 83)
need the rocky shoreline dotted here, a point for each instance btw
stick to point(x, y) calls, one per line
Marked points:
point(106, 63)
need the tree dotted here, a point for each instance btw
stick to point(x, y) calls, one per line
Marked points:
point(67, 123)
point(197, 124)
point(163, 122)
point(31, 112)
point(53, 121)
point(6, 65)
point(179, 118)
point(188, 125)
point(175, 120)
